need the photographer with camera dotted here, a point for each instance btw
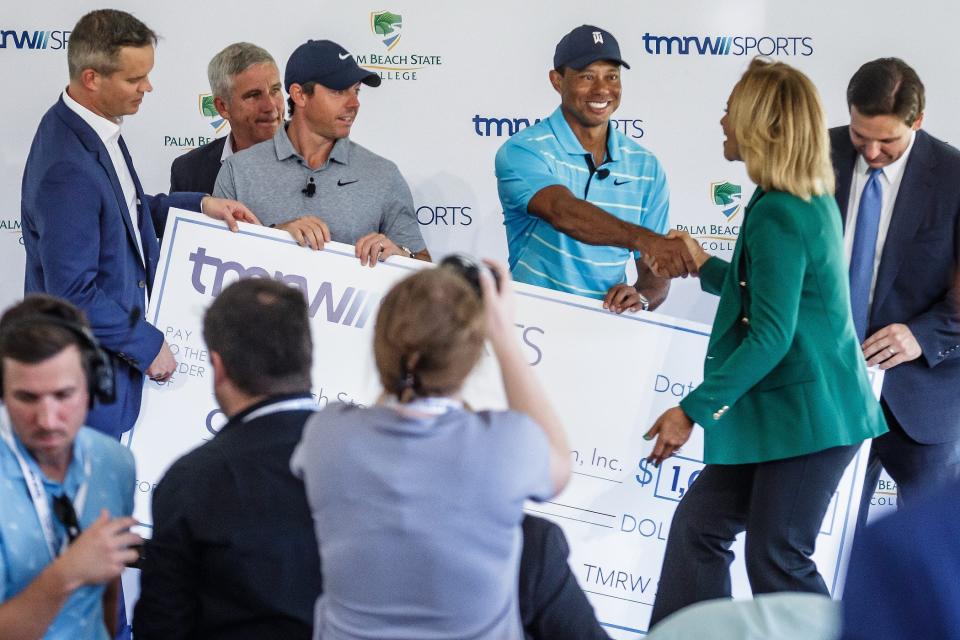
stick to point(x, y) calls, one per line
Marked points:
point(417, 501)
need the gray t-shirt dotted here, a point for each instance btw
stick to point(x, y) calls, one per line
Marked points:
point(357, 191)
point(418, 520)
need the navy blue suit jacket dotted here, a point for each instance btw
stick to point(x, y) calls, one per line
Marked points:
point(917, 283)
point(553, 606)
point(197, 169)
point(81, 245)
point(903, 577)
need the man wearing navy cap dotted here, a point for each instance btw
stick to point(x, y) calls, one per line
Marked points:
point(579, 196)
point(311, 180)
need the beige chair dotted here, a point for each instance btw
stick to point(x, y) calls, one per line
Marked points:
point(774, 616)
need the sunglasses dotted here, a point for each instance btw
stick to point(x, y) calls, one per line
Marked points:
point(67, 515)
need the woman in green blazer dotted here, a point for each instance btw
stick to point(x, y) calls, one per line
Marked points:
point(785, 400)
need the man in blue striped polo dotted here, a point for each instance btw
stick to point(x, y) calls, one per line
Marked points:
point(579, 197)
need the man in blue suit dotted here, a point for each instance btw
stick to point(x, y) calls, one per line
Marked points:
point(902, 581)
point(898, 189)
point(89, 230)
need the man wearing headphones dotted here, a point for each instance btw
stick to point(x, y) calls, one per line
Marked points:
point(66, 491)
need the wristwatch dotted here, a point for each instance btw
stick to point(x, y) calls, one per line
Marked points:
point(644, 301)
point(406, 250)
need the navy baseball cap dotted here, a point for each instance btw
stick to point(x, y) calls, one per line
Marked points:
point(327, 63)
point(585, 45)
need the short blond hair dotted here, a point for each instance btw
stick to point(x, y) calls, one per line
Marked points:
point(781, 130)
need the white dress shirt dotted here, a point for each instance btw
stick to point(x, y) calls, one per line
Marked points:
point(890, 178)
point(109, 133)
point(227, 149)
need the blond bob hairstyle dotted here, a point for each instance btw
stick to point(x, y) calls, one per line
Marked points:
point(777, 118)
point(429, 334)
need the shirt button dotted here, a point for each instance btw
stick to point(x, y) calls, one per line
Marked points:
point(716, 416)
point(141, 284)
point(745, 320)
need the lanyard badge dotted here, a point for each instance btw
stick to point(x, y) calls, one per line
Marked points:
point(66, 511)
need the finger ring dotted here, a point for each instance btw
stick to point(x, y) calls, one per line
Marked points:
point(892, 352)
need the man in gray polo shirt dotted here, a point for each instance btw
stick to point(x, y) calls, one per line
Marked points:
point(312, 180)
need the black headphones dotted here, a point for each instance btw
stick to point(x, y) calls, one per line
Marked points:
point(101, 382)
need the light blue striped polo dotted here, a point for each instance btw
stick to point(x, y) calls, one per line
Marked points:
point(548, 153)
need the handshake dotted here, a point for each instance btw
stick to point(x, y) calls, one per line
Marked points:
point(674, 255)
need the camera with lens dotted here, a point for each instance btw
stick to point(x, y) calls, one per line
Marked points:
point(470, 269)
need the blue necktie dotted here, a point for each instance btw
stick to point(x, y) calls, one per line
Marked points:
point(864, 251)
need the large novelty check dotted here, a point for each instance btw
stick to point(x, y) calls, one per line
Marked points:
point(609, 376)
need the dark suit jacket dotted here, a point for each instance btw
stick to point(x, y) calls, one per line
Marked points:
point(81, 245)
point(903, 577)
point(917, 283)
point(233, 553)
point(197, 169)
point(552, 604)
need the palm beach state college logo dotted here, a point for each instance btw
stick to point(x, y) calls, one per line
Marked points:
point(726, 195)
point(11, 226)
point(726, 198)
point(387, 27)
point(209, 112)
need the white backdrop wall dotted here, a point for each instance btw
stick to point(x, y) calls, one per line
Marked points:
point(463, 76)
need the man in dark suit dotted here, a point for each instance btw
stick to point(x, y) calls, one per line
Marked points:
point(233, 553)
point(552, 604)
point(898, 189)
point(247, 93)
point(89, 230)
point(902, 581)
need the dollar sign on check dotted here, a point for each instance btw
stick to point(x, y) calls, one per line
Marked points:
point(646, 475)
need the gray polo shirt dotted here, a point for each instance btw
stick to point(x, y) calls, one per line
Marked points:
point(357, 191)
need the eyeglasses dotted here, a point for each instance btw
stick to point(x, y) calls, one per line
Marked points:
point(67, 515)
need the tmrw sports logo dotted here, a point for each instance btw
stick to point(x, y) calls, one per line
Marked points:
point(493, 126)
point(726, 198)
point(387, 27)
point(209, 111)
point(728, 45)
point(352, 308)
point(53, 40)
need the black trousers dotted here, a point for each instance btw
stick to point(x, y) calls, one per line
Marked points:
point(916, 468)
point(780, 504)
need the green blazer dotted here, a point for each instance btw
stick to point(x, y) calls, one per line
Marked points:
point(784, 375)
